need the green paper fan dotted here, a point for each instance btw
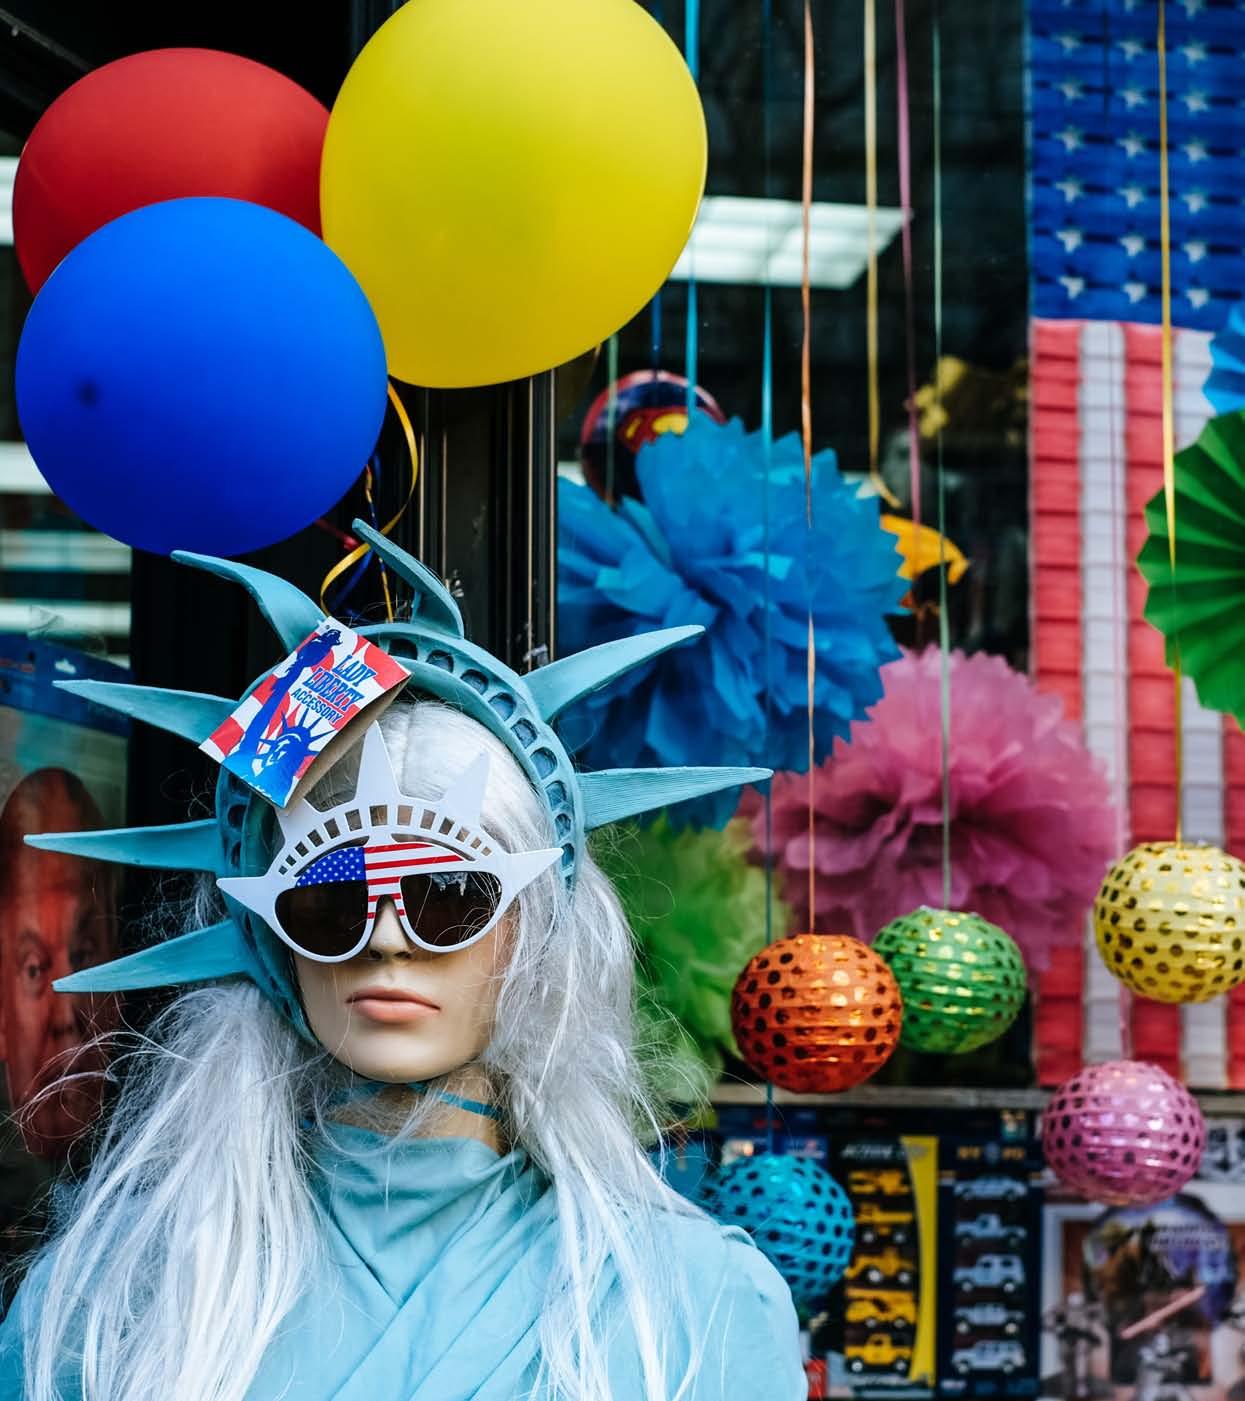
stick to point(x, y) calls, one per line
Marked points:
point(1205, 612)
point(697, 908)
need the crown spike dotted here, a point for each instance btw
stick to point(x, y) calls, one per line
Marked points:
point(376, 776)
point(220, 951)
point(296, 818)
point(557, 685)
point(434, 605)
point(525, 866)
point(465, 795)
point(612, 794)
point(289, 612)
point(183, 846)
point(190, 714)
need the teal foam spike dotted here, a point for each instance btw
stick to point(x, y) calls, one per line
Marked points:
point(288, 610)
point(434, 604)
point(612, 794)
point(189, 714)
point(183, 846)
point(557, 685)
point(219, 951)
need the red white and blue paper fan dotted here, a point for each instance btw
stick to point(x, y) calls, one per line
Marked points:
point(1225, 385)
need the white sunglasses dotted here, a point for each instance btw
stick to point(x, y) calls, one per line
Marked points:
point(449, 881)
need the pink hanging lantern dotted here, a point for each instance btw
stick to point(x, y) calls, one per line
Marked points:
point(1124, 1133)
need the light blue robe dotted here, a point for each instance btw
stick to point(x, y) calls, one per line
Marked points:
point(437, 1254)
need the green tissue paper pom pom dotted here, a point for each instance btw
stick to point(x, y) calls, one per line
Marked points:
point(697, 908)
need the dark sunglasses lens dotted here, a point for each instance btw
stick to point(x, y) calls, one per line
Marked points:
point(326, 919)
point(446, 908)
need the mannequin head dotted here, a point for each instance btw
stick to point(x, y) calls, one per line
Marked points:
point(396, 1012)
point(56, 916)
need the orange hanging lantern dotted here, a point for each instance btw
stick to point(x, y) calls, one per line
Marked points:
point(816, 1013)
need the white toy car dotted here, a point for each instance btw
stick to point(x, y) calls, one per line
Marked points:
point(994, 1355)
point(971, 1316)
point(991, 1189)
point(989, 1226)
point(1005, 1272)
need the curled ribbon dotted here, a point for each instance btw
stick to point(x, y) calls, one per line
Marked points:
point(359, 551)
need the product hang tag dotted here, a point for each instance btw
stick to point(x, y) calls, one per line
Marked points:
point(305, 712)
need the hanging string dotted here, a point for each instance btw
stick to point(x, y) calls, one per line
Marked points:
point(691, 25)
point(654, 310)
point(871, 266)
point(944, 628)
point(611, 415)
point(767, 437)
point(1121, 567)
point(1169, 431)
point(370, 498)
point(904, 142)
point(806, 432)
point(360, 552)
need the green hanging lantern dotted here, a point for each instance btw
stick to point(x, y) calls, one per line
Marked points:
point(962, 978)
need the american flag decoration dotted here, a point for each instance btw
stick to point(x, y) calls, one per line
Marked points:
point(382, 866)
point(1094, 159)
point(1096, 460)
point(1097, 452)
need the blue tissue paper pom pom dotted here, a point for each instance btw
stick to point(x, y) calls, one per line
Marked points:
point(695, 551)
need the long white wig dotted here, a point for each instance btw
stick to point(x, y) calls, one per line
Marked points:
point(195, 1230)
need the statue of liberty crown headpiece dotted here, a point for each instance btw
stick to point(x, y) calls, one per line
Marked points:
point(442, 663)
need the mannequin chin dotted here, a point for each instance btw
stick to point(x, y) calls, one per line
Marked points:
point(397, 1013)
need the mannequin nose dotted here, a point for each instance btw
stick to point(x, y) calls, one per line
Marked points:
point(388, 937)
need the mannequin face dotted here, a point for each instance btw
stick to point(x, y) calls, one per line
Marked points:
point(432, 1013)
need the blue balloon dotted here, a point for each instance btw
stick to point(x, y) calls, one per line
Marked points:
point(201, 374)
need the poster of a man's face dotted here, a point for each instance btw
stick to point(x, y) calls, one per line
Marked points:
point(57, 914)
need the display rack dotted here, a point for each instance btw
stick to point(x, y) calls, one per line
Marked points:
point(934, 1097)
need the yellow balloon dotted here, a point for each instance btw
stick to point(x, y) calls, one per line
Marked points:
point(1170, 921)
point(511, 180)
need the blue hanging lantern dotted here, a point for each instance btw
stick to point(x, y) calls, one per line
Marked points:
point(796, 1212)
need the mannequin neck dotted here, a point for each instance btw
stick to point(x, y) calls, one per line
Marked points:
point(387, 1111)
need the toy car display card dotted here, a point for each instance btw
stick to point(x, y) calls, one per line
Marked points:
point(890, 1292)
point(292, 726)
point(991, 1226)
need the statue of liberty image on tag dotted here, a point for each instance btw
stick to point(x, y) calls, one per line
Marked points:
point(305, 711)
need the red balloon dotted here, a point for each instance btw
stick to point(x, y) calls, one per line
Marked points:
point(162, 125)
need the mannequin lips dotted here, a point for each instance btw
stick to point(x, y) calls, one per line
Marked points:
point(391, 1005)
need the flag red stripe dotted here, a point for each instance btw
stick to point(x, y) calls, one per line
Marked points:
point(1154, 803)
point(1057, 603)
point(441, 860)
point(1234, 840)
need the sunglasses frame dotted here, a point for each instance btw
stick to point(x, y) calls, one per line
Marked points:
point(378, 812)
point(453, 863)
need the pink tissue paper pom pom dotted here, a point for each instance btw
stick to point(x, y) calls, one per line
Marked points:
point(1032, 824)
